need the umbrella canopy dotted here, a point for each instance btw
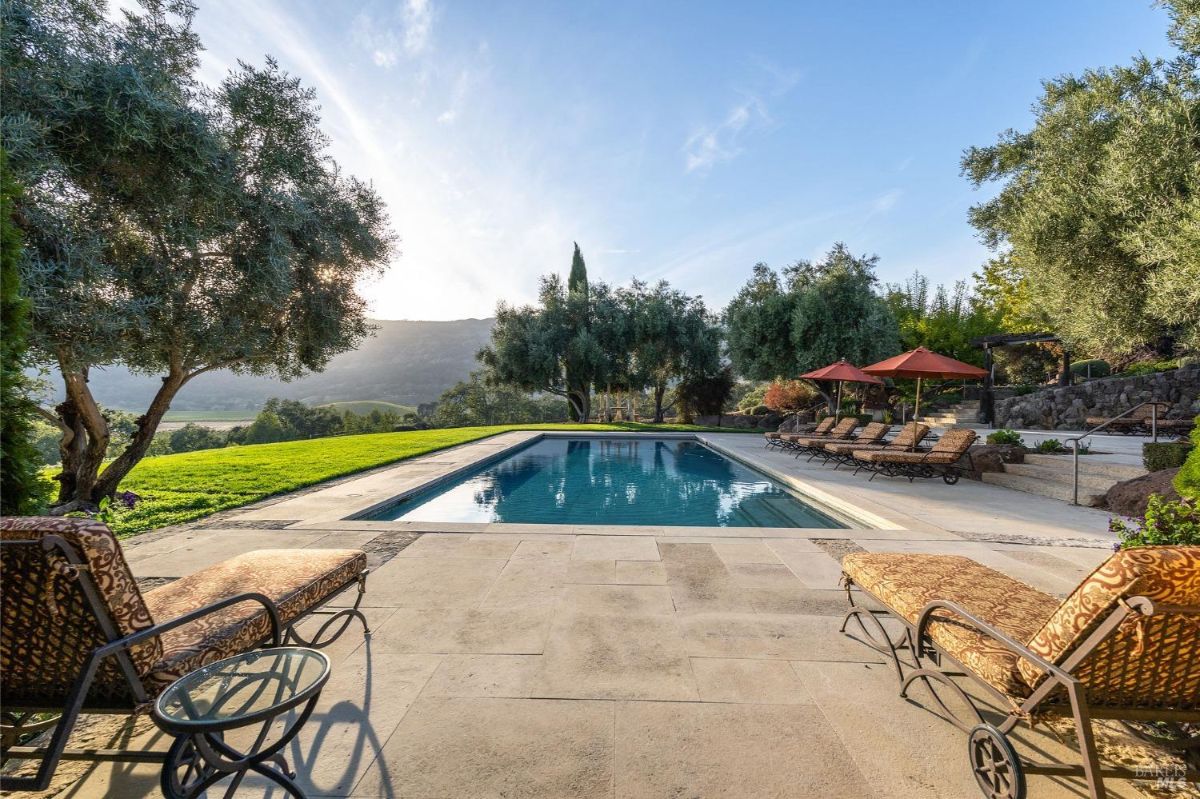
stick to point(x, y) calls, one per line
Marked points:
point(921, 363)
point(843, 372)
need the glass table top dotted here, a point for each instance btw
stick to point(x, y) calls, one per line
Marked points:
point(249, 686)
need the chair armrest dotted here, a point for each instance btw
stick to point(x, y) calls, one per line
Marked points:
point(983, 627)
point(267, 603)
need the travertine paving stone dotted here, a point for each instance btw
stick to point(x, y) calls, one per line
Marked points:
point(487, 748)
point(743, 681)
point(673, 749)
point(508, 676)
point(442, 630)
point(613, 547)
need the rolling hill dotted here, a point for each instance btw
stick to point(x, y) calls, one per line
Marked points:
point(404, 362)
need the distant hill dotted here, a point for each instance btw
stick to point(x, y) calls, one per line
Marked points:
point(366, 406)
point(403, 362)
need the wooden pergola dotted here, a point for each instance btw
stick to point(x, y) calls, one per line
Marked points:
point(987, 404)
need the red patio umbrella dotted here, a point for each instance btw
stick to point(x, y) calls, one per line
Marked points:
point(921, 363)
point(842, 372)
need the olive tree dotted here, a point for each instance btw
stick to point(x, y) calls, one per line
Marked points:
point(169, 226)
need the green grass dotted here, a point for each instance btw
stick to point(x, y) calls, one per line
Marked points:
point(364, 407)
point(192, 485)
point(209, 416)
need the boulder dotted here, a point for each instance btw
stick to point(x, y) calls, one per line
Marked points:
point(992, 457)
point(1129, 497)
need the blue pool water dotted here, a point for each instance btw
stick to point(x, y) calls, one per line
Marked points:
point(612, 481)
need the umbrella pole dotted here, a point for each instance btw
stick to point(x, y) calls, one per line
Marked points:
point(838, 410)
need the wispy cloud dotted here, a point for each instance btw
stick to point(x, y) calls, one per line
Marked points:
point(721, 142)
point(886, 201)
point(408, 33)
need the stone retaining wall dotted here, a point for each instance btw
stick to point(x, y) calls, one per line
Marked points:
point(743, 421)
point(1068, 408)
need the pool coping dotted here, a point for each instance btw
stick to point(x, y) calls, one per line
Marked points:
point(838, 509)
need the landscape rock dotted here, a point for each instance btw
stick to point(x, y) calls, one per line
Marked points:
point(1129, 497)
point(1069, 408)
point(743, 421)
point(992, 457)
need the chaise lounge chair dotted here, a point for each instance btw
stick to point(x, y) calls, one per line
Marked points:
point(1125, 645)
point(941, 461)
point(80, 636)
point(906, 441)
point(778, 439)
point(871, 436)
point(1143, 422)
point(842, 431)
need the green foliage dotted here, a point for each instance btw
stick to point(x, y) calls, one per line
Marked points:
point(364, 407)
point(1165, 524)
point(751, 394)
point(946, 321)
point(181, 488)
point(1165, 454)
point(1187, 482)
point(1149, 367)
point(1050, 446)
point(702, 394)
point(1095, 367)
point(817, 313)
point(192, 437)
point(170, 226)
point(1099, 204)
point(1024, 390)
point(1005, 436)
point(22, 492)
point(479, 401)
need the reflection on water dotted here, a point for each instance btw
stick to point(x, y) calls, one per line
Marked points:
point(613, 481)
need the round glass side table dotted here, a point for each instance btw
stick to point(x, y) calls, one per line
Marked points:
point(254, 688)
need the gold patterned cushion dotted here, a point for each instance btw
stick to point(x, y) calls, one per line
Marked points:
point(296, 579)
point(1151, 661)
point(101, 552)
point(907, 582)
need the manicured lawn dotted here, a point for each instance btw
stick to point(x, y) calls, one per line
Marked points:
point(180, 488)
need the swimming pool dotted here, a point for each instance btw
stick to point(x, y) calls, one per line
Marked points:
point(611, 481)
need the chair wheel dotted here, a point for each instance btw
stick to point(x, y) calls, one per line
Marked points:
point(950, 477)
point(995, 764)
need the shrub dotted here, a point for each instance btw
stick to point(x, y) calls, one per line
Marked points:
point(1165, 523)
point(865, 418)
point(1165, 455)
point(1096, 367)
point(1005, 436)
point(1022, 391)
point(1050, 445)
point(760, 410)
point(1187, 482)
point(192, 437)
point(1149, 367)
point(753, 396)
point(789, 395)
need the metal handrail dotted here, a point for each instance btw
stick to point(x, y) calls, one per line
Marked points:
point(1074, 440)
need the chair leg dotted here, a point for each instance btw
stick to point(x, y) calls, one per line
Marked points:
point(1087, 742)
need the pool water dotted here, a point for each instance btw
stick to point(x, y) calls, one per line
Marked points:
point(612, 482)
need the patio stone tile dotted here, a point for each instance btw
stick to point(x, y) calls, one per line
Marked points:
point(640, 572)
point(433, 582)
point(744, 552)
point(592, 571)
point(754, 682)
point(365, 699)
point(811, 564)
point(619, 600)
point(615, 657)
point(512, 748)
point(544, 549)
point(490, 631)
point(527, 582)
point(614, 547)
point(771, 637)
point(705, 750)
point(699, 581)
point(451, 545)
point(484, 675)
point(775, 589)
point(352, 638)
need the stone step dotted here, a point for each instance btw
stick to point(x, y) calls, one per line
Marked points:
point(1088, 465)
point(1101, 483)
point(1045, 488)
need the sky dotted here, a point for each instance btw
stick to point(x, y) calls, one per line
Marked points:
point(683, 141)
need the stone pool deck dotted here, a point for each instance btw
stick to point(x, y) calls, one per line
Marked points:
point(525, 661)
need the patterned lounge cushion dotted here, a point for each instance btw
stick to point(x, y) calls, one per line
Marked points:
point(99, 548)
point(296, 579)
point(1154, 661)
point(907, 582)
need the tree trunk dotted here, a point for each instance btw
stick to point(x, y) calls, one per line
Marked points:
point(84, 442)
point(147, 426)
point(579, 403)
point(660, 391)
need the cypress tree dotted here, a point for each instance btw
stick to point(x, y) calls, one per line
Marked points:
point(21, 490)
